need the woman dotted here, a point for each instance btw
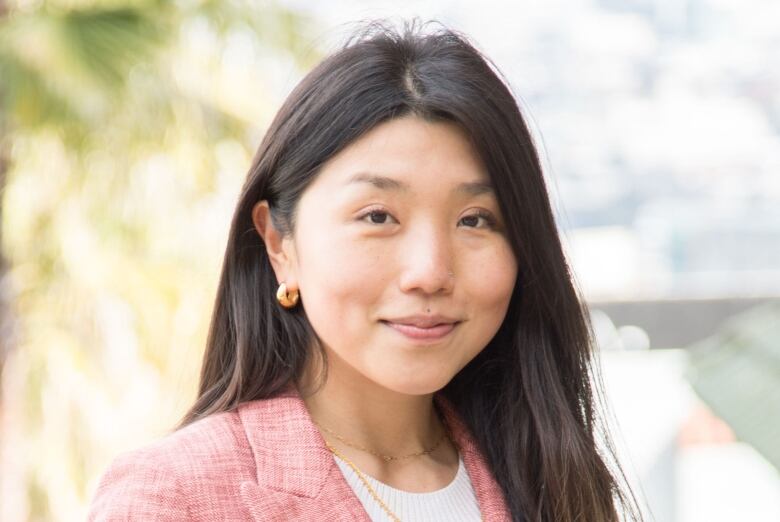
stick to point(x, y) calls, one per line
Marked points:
point(396, 334)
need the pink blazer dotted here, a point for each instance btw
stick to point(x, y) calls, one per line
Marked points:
point(265, 460)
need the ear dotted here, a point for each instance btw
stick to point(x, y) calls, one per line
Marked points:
point(281, 250)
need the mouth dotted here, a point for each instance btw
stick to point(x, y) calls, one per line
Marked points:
point(418, 333)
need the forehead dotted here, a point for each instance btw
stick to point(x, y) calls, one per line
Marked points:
point(405, 154)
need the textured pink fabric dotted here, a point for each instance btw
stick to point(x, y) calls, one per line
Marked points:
point(265, 460)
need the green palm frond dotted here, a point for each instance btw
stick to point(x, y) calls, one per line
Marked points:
point(26, 96)
point(107, 43)
point(63, 66)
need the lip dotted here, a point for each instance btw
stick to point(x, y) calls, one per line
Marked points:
point(417, 333)
point(422, 321)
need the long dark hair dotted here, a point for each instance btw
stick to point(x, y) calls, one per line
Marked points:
point(527, 396)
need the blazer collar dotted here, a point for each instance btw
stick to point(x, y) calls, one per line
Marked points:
point(292, 459)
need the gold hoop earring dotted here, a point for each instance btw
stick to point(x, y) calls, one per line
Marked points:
point(287, 300)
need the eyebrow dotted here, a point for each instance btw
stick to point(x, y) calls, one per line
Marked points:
point(471, 188)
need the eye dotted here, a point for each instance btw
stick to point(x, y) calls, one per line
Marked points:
point(487, 216)
point(379, 217)
point(375, 217)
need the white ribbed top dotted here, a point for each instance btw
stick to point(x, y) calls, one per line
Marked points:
point(455, 502)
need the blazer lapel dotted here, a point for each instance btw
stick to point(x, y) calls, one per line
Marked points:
point(299, 479)
point(337, 504)
point(297, 476)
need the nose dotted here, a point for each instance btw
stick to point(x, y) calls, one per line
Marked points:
point(427, 264)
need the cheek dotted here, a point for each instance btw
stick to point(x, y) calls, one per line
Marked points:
point(340, 281)
point(503, 279)
point(491, 290)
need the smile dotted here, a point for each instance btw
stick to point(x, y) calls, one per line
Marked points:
point(434, 333)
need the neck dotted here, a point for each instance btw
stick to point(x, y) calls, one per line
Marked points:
point(379, 419)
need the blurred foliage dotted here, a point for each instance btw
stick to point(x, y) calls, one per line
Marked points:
point(736, 371)
point(127, 129)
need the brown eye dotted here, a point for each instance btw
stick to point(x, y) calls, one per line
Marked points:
point(378, 217)
point(474, 219)
point(471, 219)
point(375, 217)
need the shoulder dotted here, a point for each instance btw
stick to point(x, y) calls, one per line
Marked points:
point(157, 481)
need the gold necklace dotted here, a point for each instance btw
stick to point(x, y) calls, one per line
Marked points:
point(373, 493)
point(387, 458)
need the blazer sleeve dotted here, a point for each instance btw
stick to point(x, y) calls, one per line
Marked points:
point(139, 485)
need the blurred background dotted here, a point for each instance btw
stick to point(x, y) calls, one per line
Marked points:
point(126, 130)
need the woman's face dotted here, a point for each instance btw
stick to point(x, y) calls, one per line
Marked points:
point(399, 227)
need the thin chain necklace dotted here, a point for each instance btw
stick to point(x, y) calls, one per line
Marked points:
point(387, 458)
point(373, 493)
point(360, 474)
point(362, 478)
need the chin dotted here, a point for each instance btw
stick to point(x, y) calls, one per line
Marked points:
point(415, 386)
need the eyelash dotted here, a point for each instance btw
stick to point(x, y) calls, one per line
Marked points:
point(491, 222)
